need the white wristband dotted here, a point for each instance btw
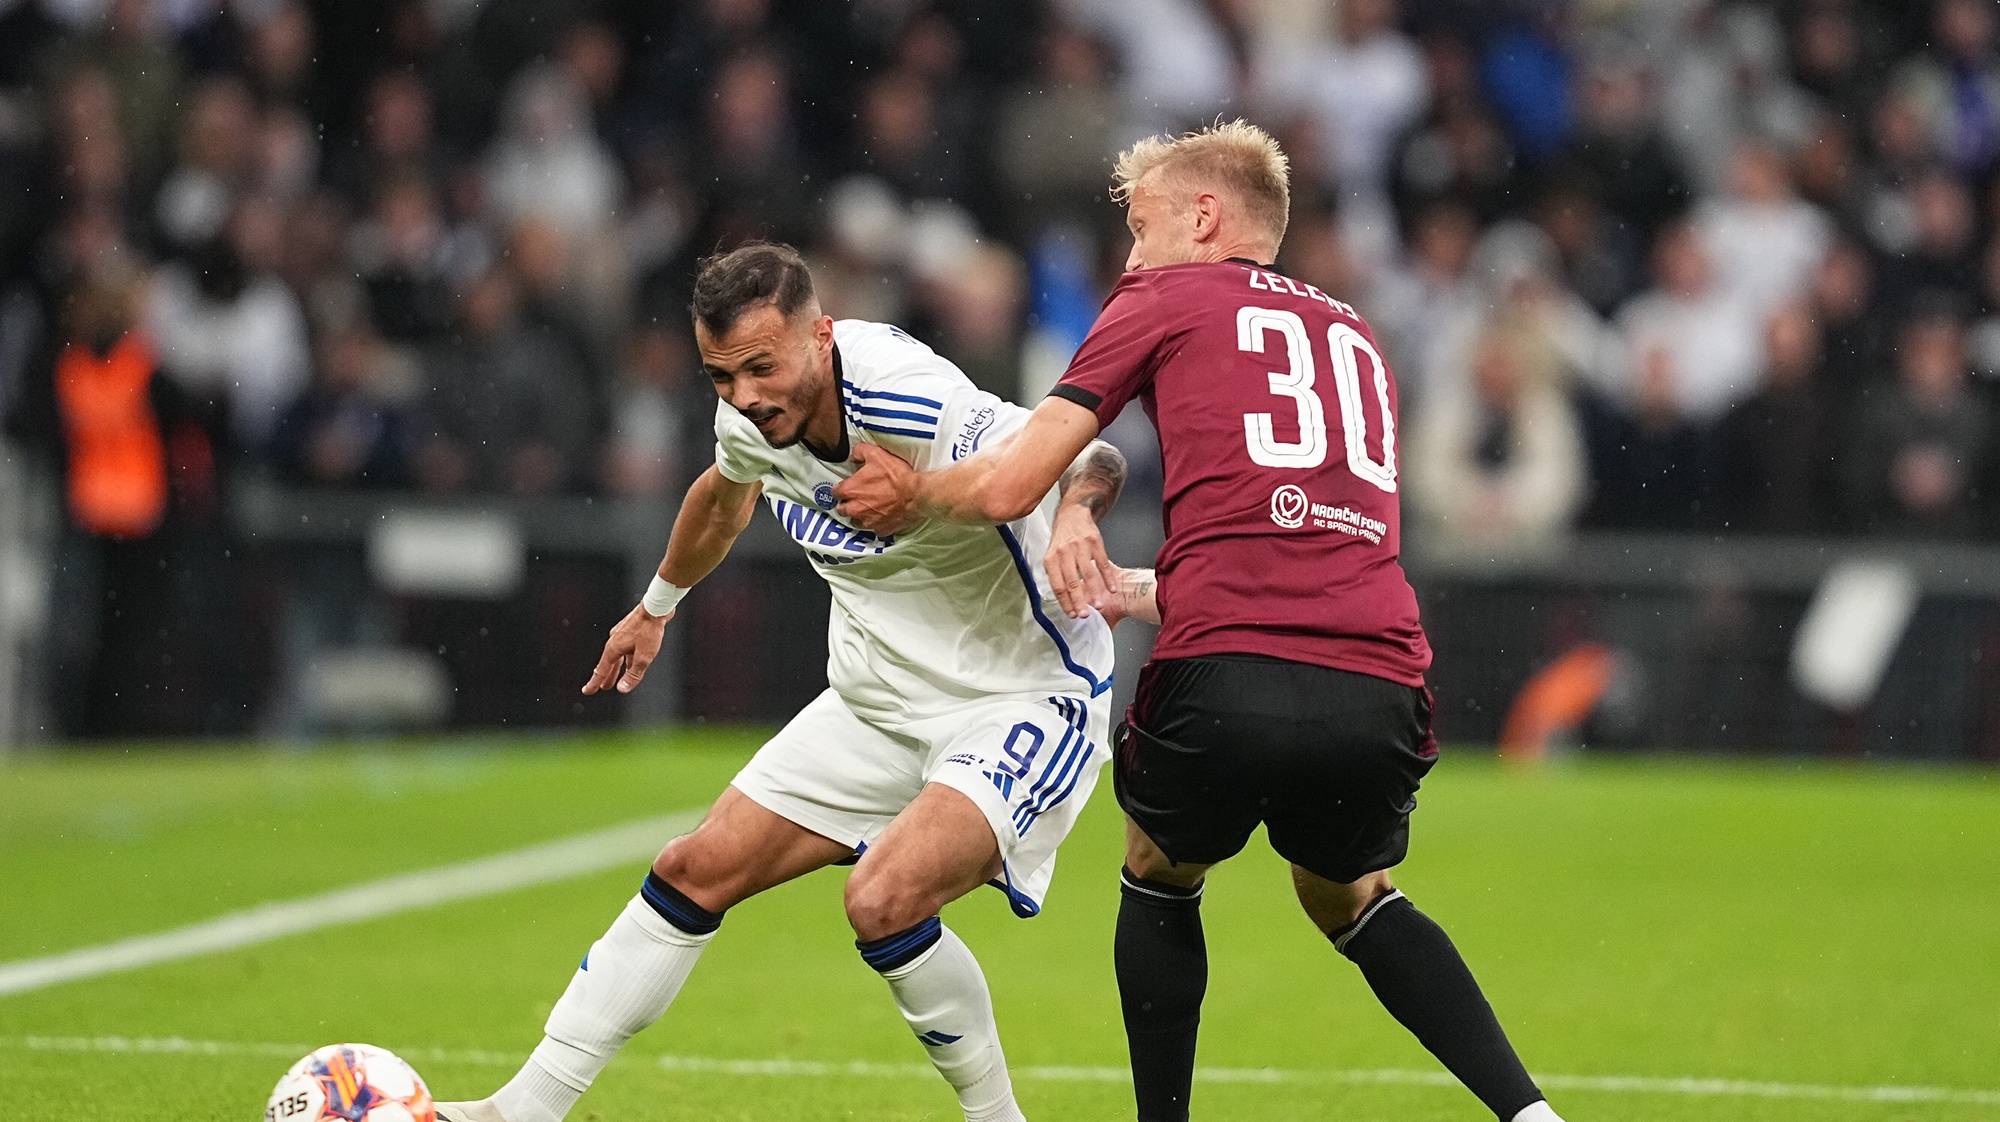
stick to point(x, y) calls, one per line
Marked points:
point(661, 597)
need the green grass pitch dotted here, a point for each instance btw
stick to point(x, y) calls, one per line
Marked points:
point(1800, 926)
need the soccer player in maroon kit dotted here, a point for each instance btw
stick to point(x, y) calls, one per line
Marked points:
point(1287, 684)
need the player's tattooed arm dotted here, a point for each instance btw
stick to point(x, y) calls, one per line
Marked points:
point(1134, 595)
point(1094, 480)
point(1077, 564)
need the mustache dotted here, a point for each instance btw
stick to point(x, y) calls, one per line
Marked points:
point(760, 415)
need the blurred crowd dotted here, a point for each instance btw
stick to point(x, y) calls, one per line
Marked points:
point(1650, 264)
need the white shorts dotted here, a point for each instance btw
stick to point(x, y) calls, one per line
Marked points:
point(1029, 765)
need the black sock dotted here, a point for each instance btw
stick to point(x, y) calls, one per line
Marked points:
point(1162, 974)
point(1420, 979)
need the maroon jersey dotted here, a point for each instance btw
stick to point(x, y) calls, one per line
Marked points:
point(1277, 422)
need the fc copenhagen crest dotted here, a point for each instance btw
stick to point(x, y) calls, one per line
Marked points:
point(1288, 507)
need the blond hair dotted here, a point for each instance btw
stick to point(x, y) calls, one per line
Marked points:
point(1236, 155)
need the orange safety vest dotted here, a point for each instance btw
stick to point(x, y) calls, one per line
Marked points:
point(117, 457)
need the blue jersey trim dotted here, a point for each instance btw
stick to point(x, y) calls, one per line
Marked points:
point(906, 398)
point(1041, 801)
point(891, 414)
point(1035, 605)
point(1051, 803)
point(1049, 778)
point(1024, 905)
point(917, 433)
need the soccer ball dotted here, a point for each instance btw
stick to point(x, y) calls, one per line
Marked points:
point(350, 1083)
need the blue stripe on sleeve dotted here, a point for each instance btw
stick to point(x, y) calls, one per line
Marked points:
point(905, 398)
point(917, 433)
point(891, 414)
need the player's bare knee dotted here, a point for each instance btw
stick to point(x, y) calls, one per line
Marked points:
point(880, 902)
point(1332, 905)
point(1146, 862)
point(684, 864)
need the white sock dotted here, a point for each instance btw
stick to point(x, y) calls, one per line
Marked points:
point(629, 978)
point(943, 996)
point(1538, 1112)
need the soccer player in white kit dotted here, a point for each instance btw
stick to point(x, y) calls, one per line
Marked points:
point(964, 721)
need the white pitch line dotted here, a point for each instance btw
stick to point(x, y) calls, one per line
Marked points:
point(557, 860)
point(869, 1069)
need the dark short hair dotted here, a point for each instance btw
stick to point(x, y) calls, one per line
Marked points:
point(729, 284)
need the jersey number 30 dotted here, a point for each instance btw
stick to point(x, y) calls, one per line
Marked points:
point(1346, 347)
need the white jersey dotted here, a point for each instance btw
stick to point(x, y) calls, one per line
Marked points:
point(943, 614)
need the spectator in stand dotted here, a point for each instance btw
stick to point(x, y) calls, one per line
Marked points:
point(1920, 450)
point(750, 147)
point(1830, 173)
point(1528, 68)
point(1364, 86)
point(144, 74)
point(1778, 447)
point(1762, 240)
point(1725, 83)
point(137, 471)
point(91, 168)
point(1176, 57)
point(398, 141)
point(402, 263)
point(1654, 464)
point(280, 61)
point(1619, 156)
point(1942, 253)
point(351, 427)
point(1435, 286)
point(1519, 269)
point(653, 412)
point(217, 158)
point(506, 410)
point(313, 259)
point(1830, 59)
point(975, 307)
point(1599, 256)
point(579, 314)
point(1955, 85)
point(1460, 154)
point(1846, 309)
point(1497, 466)
point(548, 161)
point(901, 142)
point(1053, 132)
point(1689, 336)
point(228, 328)
point(284, 157)
point(593, 56)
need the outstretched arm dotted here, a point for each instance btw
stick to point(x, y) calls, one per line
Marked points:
point(714, 513)
point(711, 517)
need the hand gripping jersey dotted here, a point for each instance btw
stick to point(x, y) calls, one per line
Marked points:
point(943, 614)
point(1277, 423)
